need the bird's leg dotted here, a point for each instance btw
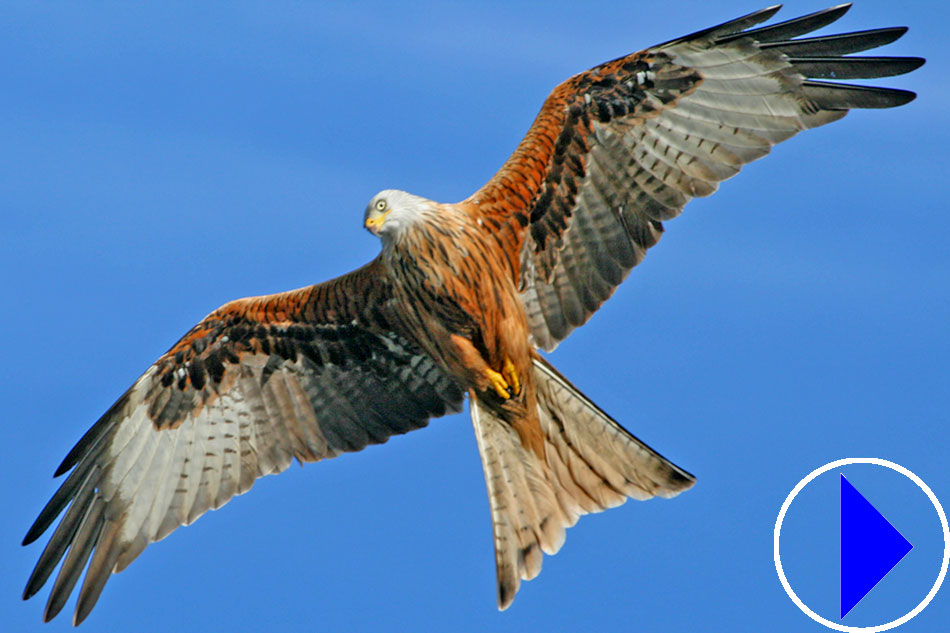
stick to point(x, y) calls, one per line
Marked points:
point(498, 383)
point(505, 383)
point(510, 374)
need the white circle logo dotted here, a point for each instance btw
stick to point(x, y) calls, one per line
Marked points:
point(943, 523)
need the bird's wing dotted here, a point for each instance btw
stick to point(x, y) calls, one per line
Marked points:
point(619, 149)
point(306, 374)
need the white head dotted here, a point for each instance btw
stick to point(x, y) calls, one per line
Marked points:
point(391, 212)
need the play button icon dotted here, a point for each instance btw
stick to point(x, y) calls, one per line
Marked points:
point(870, 546)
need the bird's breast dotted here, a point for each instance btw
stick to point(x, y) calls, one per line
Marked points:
point(452, 278)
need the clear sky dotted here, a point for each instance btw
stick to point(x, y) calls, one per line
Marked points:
point(160, 160)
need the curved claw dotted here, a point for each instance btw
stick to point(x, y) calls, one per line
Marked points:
point(498, 383)
point(511, 375)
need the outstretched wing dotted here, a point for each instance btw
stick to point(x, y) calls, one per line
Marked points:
point(306, 374)
point(619, 149)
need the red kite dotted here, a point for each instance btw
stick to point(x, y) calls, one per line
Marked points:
point(460, 300)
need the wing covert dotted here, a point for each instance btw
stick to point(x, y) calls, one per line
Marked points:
point(305, 375)
point(621, 148)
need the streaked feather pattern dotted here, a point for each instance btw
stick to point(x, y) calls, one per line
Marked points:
point(590, 464)
point(305, 375)
point(621, 148)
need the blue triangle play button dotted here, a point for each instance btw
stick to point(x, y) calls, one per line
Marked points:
point(870, 546)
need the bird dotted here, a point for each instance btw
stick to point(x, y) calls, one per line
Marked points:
point(464, 299)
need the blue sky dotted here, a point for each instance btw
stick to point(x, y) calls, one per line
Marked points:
point(160, 160)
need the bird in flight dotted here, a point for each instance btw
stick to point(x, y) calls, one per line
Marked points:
point(461, 300)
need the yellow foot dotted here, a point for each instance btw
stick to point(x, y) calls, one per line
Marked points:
point(511, 375)
point(497, 382)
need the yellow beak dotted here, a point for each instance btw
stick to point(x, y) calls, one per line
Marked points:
point(376, 222)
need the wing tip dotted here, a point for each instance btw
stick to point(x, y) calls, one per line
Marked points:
point(729, 27)
point(506, 594)
point(913, 63)
point(679, 480)
point(791, 28)
point(902, 97)
point(833, 96)
point(64, 467)
point(29, 590)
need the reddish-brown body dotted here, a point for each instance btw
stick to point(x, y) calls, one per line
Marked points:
point(459, 289)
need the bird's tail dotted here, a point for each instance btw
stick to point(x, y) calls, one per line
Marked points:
point(590, 463)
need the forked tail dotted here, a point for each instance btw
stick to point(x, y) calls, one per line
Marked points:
point(591, 463)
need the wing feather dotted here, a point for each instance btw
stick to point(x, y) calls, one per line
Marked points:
point(303, 375)
point(84, 541)
point(621, 148)
point(792, 28)
point(841, 44)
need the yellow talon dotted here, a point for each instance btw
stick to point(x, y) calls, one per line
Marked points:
point(511, 375)
point(497, 381)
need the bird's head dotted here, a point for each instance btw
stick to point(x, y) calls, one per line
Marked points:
point(391, 211)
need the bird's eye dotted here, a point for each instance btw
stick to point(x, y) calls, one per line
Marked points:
point(380, 205)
